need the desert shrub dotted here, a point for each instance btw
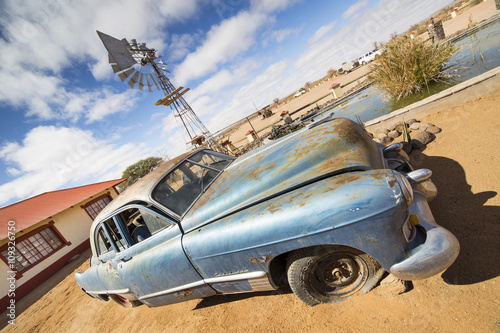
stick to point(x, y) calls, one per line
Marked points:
point(409, 65)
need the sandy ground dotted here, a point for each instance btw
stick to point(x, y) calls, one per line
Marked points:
point(461, 21)
point(465, 298)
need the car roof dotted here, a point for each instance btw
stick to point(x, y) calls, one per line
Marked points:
point(140, 190)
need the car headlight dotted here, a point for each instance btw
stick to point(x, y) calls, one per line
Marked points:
point(406, 188)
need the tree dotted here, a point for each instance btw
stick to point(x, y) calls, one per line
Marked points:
point(331, 73)
point(138, 170)
point(307, 84)
point(276, 100)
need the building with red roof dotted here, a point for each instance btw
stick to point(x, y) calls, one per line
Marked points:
point(41, 234)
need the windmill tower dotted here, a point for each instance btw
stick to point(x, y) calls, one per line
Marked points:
point(142, 65)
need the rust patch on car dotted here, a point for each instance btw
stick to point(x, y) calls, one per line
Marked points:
point(184, 293)
point(263, 259)
point(392, 183)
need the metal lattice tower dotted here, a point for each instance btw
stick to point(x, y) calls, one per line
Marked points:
point(124, 55)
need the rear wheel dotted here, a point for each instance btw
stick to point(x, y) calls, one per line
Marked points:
point(330, 275)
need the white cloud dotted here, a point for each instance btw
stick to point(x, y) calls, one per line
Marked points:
point(13, 172)
point(180, 45)
point(261, 90)
point(107, 102)
point(52, 157)
point(268, 6)
point(224, 42)
point(280, 35)
point(176, 143)
point(355, 8)
point(321, 32)
point(214, 84)
point(42, 38)
point(169, 123)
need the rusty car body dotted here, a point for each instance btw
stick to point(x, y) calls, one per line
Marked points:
point(325, 208)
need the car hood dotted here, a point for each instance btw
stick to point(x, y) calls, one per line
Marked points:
point(300, 158)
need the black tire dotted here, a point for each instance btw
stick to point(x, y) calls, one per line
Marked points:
point(331, 274)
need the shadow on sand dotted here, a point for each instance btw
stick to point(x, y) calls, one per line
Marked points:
point(221, 299)
point(464, 213)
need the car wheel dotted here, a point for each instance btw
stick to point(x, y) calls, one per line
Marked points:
point(331, 275)
point(363, 63)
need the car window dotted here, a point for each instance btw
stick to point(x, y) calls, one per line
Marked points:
point(116, 235)
point(181, 187)
point(211, 160)
point(130, 226)
point(141, 223)
point(107, 236)
point(103, 243)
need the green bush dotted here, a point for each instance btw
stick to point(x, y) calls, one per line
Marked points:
point(409, 65)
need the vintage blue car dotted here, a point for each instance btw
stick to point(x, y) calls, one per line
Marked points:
point(326, 209)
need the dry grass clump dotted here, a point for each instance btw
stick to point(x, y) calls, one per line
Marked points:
point(409, 65)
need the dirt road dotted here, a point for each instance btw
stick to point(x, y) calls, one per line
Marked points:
point(465, 298)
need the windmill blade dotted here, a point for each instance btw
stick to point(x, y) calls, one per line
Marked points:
point(124, 75)
point(133, 80)
point(133, 44)
point(118, 51)
point(150, 87)
point(154, 81)
point(111, 60)
point(116, 68)
point(141, 83)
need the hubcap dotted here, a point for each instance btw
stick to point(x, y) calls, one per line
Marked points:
point(338, 275)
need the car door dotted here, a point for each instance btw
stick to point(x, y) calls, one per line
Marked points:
point(102, 278)
point(154, 266)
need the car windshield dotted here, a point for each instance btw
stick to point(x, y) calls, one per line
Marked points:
point(180, 188)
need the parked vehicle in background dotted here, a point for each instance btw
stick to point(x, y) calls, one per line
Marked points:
point(299, 93)
point(326, 208)
point(370, 56)
point(347, 67)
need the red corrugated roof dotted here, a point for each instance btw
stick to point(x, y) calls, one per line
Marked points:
point(334, 85)
point(33, 210)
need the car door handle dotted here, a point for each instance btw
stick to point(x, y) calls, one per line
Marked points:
point(124, 258)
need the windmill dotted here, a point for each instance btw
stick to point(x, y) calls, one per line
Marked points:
point(142, 66)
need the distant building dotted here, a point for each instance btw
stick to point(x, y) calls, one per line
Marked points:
point(50, 229)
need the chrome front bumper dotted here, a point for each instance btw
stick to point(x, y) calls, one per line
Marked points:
point(441, 247)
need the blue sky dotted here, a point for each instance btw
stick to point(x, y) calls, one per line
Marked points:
point(67, 120)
